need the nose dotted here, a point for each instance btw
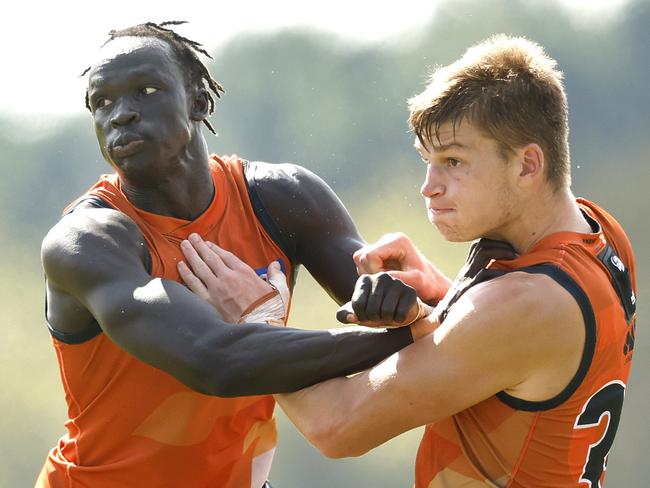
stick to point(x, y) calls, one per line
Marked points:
point(433, 184)
point(123, 114)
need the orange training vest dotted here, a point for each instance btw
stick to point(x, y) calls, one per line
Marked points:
point(562, 442)
point(130, 424)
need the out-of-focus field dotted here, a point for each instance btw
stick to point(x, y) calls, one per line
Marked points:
point(339, 109)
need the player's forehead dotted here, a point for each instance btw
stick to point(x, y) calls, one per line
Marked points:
point(463, 135)
point(123, 55)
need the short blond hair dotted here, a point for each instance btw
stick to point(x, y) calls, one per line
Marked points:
point(510, 89)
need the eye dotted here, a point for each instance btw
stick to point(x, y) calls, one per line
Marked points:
point(149, 90)
point(453, 163)
point(103, 102)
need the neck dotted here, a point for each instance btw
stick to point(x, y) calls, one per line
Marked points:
point(182, 187)
point(556, 211)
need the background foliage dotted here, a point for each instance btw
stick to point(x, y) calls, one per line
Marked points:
point(338, 109)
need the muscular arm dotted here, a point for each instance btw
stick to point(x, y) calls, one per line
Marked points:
point(95, 257)
point(314, 222)
point(500, 336)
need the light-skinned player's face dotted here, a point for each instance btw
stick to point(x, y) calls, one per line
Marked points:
point(469, 186)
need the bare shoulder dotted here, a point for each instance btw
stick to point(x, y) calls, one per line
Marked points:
point(85, 238)
point(288, 179)
point(305, 207)
point(525, 321)
point(520, 303)
point(289, 174)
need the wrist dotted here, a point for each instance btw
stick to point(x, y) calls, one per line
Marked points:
point(424, 327)
point(435, 284)
point(269, 308)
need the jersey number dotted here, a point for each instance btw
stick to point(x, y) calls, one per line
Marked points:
point(606, 402)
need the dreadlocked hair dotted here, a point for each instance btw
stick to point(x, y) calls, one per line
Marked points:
point(185, 49)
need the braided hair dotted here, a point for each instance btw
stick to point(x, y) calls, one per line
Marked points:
point(186, 51)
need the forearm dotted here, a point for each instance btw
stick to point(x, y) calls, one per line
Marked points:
point(173, 330)
point(258, 359)
point(346, 417)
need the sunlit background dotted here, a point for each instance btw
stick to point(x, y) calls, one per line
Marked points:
point(323, 84)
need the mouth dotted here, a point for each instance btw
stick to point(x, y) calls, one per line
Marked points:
point(440, 211)
point(125, 148)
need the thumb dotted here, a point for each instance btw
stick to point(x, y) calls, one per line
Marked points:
point(346, 315)
point(277, 278)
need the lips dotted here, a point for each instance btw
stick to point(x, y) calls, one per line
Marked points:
point(125, 146)
point(440, 211)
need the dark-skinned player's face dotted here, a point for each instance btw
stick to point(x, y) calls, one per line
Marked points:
point(141, 107)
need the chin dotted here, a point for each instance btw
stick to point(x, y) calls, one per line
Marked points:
point(448, 232)
point(453, 234)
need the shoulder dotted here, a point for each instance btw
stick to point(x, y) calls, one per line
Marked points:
point(289, 178)
point(301, 202)
point(84, 237)
point(528, 320)
point(530, 299)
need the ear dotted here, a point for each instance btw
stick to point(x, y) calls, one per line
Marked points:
point(532, 163)
point(200, 105)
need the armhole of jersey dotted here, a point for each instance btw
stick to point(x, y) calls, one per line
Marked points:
point(265, 218)
point(570, 285)
point(93, 201)
point(93, 329)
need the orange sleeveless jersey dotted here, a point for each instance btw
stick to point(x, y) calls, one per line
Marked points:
point(130, 424)
point(564, 441)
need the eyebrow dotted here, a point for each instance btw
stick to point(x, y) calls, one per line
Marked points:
point(442, 147)
point(139, 73)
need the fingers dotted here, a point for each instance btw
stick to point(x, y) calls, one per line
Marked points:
point(362, 290)
point(392, 251)
point(387, 311)
point(408, 303)
point(381, 299)
point(368, 262)
point(192, 282)
point(227, 258)
point(203, 260)
point(482, 251)
point(277, 278)
point(199, 268)
point(345, 314)
point(413, 278)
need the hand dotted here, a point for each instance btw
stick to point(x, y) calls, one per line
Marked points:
point(270, 309)
point(380, 300)
point(396, 255)
point(226, 282)
point(481, 253)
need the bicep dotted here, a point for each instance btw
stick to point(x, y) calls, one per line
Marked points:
point(92, 257)
point(489, 342)
point(321, 231)
point(99, 260)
